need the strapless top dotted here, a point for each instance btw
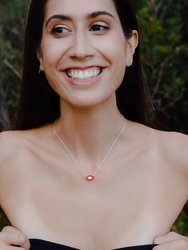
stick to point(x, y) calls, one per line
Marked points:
point(37, 244)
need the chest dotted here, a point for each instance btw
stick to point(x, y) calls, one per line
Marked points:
point(99, 211)
point(121, 201)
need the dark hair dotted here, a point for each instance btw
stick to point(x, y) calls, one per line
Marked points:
point(133, 96)
point(39, 104)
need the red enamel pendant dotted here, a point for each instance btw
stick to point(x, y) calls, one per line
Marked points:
point(90, 177)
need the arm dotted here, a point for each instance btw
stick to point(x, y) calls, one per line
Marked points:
point(178, 155)
point(10, 237)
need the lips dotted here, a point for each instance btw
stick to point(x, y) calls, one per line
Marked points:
point(83, 74)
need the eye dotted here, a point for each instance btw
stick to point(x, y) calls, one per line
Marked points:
point(59, 30)
point(99, 27)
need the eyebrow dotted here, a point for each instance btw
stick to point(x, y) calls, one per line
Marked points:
point(99, 13)
point(90, 16)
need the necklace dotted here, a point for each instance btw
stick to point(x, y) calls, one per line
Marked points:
point(89, 177)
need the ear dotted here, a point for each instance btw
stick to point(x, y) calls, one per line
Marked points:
point(39, 56)
point(132, 43)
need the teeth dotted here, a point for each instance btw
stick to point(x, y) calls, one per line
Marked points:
point(83, 74)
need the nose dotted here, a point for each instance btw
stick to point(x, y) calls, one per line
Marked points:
point(81, 46)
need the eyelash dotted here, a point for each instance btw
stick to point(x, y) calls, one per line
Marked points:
point(99, 27)
point(58, 30)
point(62, 30)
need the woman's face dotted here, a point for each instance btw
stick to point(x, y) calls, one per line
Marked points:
point(83, 51)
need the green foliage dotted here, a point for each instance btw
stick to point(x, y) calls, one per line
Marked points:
point(181, 224)
point(12, 21)
point(165, 57)
point(11, 31)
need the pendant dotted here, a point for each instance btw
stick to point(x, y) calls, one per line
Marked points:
point(90, 177)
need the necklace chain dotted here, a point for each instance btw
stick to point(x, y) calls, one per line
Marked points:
point(88, 177)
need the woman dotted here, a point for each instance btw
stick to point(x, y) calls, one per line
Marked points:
point(82, 169)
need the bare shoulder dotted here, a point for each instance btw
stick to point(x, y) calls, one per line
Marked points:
point(11, 139)
point(173, 143)
point(10, 143)
point(21, 142)
point(15, 144)
point(18, 154)
point(173, 147)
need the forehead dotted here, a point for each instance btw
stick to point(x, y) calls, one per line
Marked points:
point(78, 8)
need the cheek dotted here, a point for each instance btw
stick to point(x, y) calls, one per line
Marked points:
point(51, 52)
point(115, 52)
point(115, 47)
point(119, 75)
point(119, 54)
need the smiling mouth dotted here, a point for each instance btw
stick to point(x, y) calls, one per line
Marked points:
point(84, 74)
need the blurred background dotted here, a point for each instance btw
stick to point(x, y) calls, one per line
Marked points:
point(164, 47)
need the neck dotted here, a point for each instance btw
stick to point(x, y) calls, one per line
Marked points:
point(83, 128)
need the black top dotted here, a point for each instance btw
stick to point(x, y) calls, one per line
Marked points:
point(37, 244)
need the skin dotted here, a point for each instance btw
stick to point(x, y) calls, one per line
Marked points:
point(11, 237)
point(82, 44)
point(142, 185)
